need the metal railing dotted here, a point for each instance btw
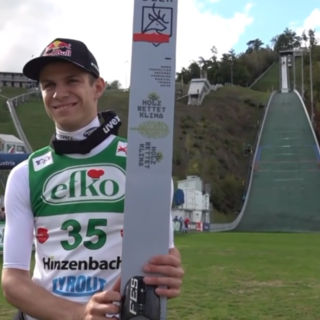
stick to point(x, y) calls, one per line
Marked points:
point(280, 73)
point(3, 180)
point(262, 75)
point(254, 146)
point(15, 102)
point(218, 227)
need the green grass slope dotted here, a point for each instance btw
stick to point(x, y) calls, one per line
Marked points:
point(242, 276)
point(270, 81)
point(6, 124)
point(208, 140)
point(39, 128)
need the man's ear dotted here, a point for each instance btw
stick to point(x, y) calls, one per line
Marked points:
point(99, 88)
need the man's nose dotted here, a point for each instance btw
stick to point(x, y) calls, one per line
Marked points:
point(61, 92)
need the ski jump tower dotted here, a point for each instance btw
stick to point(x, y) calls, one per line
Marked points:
point(198, 89)
point(285, 62)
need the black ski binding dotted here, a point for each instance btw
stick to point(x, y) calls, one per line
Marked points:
point(140, 301)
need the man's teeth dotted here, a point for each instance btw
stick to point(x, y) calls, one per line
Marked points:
point(66, 106)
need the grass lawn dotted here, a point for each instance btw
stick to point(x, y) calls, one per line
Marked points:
point(270, 81)
point(239, 276)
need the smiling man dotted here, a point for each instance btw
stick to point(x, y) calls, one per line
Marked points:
point(71, 196)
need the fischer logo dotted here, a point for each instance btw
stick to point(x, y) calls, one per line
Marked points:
point(50, 264)
point(85, 184)
point(63, 137)
point(77, 286)
point(89, 132)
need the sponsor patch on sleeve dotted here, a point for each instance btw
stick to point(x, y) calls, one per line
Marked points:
point(42, 161)
point(121, 149)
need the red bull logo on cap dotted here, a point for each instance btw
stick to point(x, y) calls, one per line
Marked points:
point(58, 48)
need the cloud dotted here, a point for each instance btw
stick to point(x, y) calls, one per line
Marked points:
point(293, 23)
point(26, 27)
point(311, 22)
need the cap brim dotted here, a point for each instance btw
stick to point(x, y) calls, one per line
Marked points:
point(33, 68)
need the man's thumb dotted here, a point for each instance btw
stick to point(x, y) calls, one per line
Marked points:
point(116, 286)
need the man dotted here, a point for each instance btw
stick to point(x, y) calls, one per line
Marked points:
point(69, 195)
point(2, 214)
point(186, 224)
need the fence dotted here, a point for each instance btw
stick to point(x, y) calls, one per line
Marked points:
point(247, 180)
point(12, 104)
point(261, 75)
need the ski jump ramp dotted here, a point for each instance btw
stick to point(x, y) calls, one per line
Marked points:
point(285, 86)
point(283, 192)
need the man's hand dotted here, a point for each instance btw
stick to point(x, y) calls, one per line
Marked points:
point(102, 304)
point(169, 267)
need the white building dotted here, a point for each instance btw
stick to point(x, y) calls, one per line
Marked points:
point(196, 204)
point(15, 79)
point(198, 89)
point(11, 144)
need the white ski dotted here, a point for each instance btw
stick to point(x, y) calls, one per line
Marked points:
point(150, 138)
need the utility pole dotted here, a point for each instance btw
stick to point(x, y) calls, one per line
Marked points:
point(125, 74)
point(182, 85)
point(302, 74)
point(231, 66)
point(294, 69)
point(311, 85)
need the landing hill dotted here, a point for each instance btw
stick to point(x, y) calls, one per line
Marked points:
point(208, 139)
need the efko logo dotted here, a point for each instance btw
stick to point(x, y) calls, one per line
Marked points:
point(85, 184)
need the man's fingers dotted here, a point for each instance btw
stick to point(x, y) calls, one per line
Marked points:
point(109, 309)
point(107, 297)
point(167, 260)
point(163, 281)
point(100, 311)
point(168, 271)
point(168, 293)
point(116, 286)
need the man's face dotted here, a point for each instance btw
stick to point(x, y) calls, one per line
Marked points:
point(70, 95)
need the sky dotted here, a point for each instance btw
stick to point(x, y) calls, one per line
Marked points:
point(27, 27)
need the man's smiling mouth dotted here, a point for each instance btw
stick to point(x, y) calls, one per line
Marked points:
point(65, 106)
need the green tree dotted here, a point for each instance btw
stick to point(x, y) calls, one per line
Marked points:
point(312, 38)
point(114, 85)
point(254, 45)
point(287, 40)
